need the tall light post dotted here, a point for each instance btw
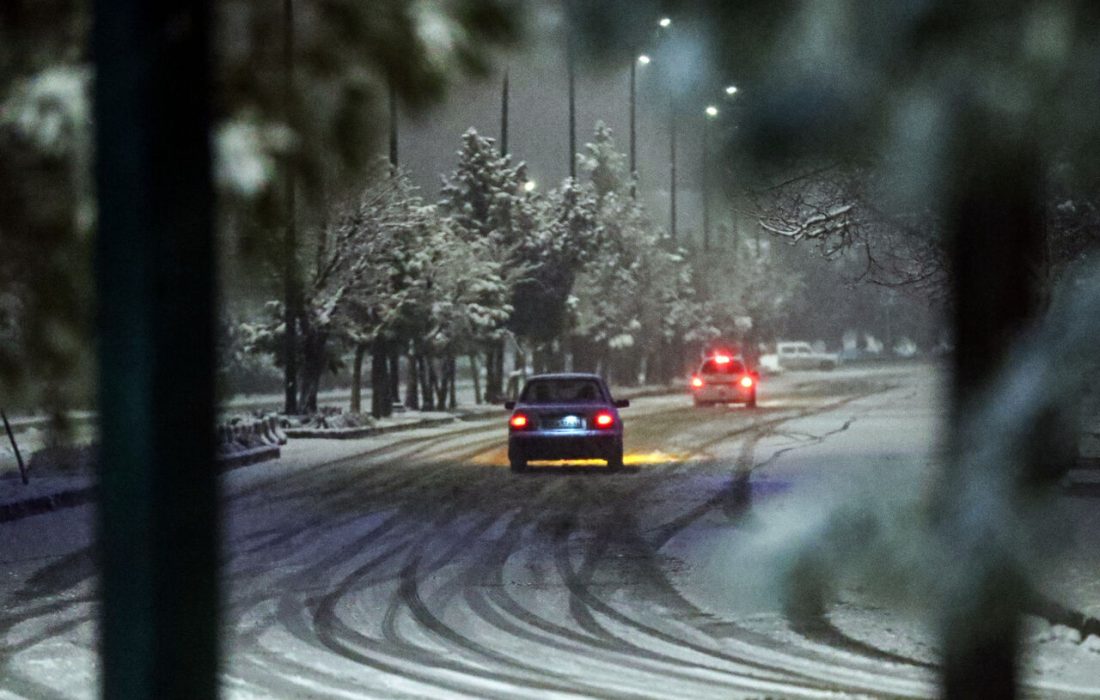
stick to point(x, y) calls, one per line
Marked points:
point(711, 113)
point(504, 115)
point(393, 127)
point(641, 60)
point(570, 58)
point(290, 242)
point(634, 123)
point(672, 169)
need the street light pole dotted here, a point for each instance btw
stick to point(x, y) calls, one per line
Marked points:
point(393, 128)
point(711, 112)
point(290, 242)
point(672, 169)
point(633, 127)
point(703, 189)
point(571, 60)
point(504, 115)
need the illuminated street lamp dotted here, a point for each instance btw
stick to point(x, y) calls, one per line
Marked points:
point(731, 90)
point(644, 59)
point(529, 186)
point(711, 113)
point(665, 23)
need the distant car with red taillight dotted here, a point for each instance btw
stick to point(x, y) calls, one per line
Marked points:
point(565, 416)
point(724, 379)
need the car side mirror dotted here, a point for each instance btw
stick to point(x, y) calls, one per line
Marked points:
point(622, 403)
point(509, 405)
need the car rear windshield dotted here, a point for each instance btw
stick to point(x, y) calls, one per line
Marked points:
point(562, 391)
point(731, 367)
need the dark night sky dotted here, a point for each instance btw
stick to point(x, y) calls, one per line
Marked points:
point(539, 124)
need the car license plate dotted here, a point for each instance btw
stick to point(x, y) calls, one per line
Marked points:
point(570, 423)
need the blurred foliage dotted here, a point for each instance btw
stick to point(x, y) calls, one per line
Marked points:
point(44, 218)
point(348, 55)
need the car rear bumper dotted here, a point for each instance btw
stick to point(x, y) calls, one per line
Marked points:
point(587, 444)
point(725, 394)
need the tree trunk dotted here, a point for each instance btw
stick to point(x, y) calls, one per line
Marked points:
point(494, 372)
point(584, 355)
point(427, 398)
point(357, 379)
point(452, 373)
point(556, 356)
point(996, 223)
point(433, 384)
point(395, 377)
point(314, 345)
point(412, 383)
point(441, 385)
point(380, 403)
point(477, 379)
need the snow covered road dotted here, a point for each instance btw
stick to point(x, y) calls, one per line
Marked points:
point(418, 565)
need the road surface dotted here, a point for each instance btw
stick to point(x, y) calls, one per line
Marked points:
point(418, 565)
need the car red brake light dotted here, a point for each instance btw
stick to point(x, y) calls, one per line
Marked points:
point(696, 382)
point(604, 419)
point(746, 381)
point(518, 421)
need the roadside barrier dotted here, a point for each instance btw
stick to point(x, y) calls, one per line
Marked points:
point(242, 440)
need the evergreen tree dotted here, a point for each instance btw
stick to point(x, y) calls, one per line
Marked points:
point(487, 205)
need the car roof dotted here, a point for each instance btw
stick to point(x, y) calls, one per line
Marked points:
point(733, 358)
point(566, 375)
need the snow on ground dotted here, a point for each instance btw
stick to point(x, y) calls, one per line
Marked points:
point(407, 564)
point(855, 472)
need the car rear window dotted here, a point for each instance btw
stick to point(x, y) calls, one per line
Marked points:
point(562, 391)
point(731, 367)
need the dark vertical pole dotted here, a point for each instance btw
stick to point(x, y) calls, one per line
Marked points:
point(704, 186)
point(504, 115)
point(633, 126)
point(672, 171)
point(393, 128)
point(158, 518)
point(290, 242)
point(391, 376)
point(570, 57)
point(15, 449)
point(996, 222)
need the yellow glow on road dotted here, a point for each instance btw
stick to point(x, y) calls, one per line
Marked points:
point(499, 458)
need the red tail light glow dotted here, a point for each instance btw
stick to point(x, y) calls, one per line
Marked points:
point(604, 419)
point(746, 381)
point(696, 383)
point(518, 421)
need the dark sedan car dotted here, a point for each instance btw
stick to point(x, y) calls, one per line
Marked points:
point(565, 416)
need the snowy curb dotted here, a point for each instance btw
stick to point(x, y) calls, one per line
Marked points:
point(1079, 625)
point(332, 433)
point(44, 504)
point(369, 431)
point(245, 457)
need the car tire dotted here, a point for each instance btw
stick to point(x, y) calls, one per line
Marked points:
point(615, 459)
point(701, 404)
point(751, 403)
point(518, 464)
